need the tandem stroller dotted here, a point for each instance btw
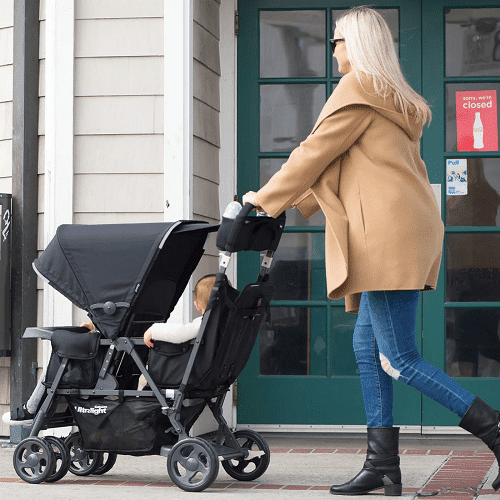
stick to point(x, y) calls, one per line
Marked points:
point(127, 277)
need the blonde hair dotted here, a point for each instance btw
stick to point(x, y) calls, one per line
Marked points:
point(370, 50)
point(203, 289)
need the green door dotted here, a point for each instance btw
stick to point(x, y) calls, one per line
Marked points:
point(461, 78)
point(303, 370)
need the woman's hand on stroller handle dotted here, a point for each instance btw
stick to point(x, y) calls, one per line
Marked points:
point(249, 197)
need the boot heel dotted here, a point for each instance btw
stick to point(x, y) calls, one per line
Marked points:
point(393, 490)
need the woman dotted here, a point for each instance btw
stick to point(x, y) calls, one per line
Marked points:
point(361, 165)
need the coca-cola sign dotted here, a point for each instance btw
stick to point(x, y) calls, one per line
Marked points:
point(477, 126)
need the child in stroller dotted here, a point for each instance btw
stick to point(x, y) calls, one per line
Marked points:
point(129, 277)
point(166, 332)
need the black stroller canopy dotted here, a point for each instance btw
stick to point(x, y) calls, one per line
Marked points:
point(103, 269)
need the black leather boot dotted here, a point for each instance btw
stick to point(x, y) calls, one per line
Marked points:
point(484, 422)
point(381, 469)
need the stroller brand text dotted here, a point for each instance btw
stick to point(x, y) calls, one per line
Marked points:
point(96, 410)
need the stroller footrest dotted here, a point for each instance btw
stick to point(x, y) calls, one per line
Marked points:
point(228, 453)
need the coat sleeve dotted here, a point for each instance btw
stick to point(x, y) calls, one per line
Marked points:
point(307, 204)
point(333, 137)
point(176, 333)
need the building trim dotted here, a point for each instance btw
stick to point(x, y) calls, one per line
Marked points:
point(59, 138)
point(178, 123)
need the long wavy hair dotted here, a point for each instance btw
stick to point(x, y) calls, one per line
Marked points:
point(370, 50)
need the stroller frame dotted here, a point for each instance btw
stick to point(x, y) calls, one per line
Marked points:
point(192, 462)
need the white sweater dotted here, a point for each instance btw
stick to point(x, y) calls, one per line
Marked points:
point(176, 333)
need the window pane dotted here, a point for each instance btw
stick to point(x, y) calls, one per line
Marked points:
point(298, 268)
point(343, 361)
point(287, 348)
point(270, 166)
point(474, 99)
point(472, 343)
point(472, 42)
point(292, 43)
point(481, 205)
point(288, 114)
point(472, 267)
point(391, 16)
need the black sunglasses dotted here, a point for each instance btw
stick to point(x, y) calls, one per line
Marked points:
point(334, 41)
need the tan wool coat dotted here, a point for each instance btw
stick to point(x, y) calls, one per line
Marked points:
point(361, 165)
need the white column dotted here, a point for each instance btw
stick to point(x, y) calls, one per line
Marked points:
point(178, 122)
point(58, 195)
point(228, 131)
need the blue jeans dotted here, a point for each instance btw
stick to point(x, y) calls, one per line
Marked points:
point(384, 345)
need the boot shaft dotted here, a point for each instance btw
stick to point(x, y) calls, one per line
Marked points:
point(483, 421)
point(383, 443)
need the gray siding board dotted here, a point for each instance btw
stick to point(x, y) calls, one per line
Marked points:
point(108, 193)
point(126, 154)
point(206, 13)
point(7, 14)
point(206, 48)
point(5, 120)
point(113, 9)
point(206, 201)
point(7, 45)
point(205, 160)
point(118, 37)
point(6, 158)
point(206, 85)
point(6, 83)
point(119, 115)
point(118, 76)
point(206, 123)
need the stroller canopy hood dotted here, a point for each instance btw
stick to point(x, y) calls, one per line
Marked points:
point(101, 268)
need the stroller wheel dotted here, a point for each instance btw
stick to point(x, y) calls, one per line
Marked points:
point(193, 464)
point(34, 460)
point(83, 463)
point(62, 459)
point(106, 463)
point(256, 463)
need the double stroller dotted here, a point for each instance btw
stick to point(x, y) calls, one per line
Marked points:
point(127, 277)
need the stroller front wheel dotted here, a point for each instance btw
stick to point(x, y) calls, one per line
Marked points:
point(83, 463)
point(34, 460)
point(193, 464)
point(62, 459)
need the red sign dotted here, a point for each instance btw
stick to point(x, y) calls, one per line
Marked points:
point(477, 128)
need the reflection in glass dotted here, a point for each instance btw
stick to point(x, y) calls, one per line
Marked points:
point(472, 342)
point(295, 343)
point(292, 43)
point(472, 267)
point(391, 16)
point(472, 42)
point(481, 205)
point(288, 114)
point(270, 166)
point(298, 268)
point(343, 360)
point(451, 109)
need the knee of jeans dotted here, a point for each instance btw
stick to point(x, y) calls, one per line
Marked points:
point(388, 368)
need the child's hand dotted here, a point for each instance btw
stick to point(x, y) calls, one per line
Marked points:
point(147, 338)
point(89, 325)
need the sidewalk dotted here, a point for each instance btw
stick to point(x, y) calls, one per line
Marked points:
point(302, 466)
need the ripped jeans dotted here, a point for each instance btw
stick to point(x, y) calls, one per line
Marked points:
point(384, 345)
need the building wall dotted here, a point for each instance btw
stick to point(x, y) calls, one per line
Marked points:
point(206, 122)
point(118, 146)
point(6, 91)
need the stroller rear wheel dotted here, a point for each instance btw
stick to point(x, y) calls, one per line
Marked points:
point(62, 460)
point(106, 463)
point(193, 464)
point(83, 463)
point(34, 460)
point(257, 461)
